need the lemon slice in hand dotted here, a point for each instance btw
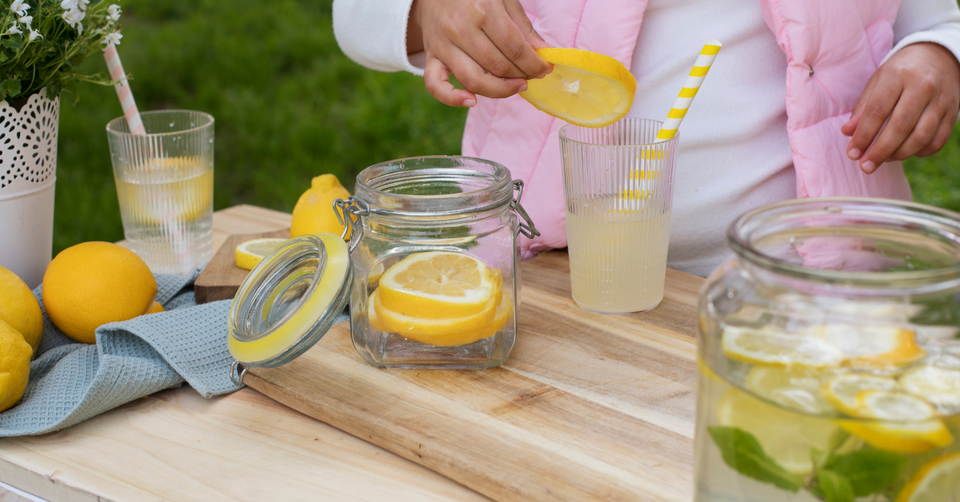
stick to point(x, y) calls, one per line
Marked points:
point(585, 88)
point(937, 481)
point(769, 347)
point(439, 285)
point(250, 253)
point(787, 437)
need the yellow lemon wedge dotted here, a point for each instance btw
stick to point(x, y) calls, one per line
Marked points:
point(906, 423)
point(769, 347)
point(585, 88)
point(439, 285)
point(794, 388)
point(842, 390)
point(937, 481)
point(250, 253)
point(940, 386)
point(787, 437)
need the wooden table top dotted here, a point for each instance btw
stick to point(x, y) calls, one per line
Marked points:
point(175, 445)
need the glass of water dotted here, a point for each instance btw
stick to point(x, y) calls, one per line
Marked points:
point(165, 187)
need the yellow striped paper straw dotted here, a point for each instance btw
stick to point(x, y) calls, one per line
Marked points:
point(690, 88)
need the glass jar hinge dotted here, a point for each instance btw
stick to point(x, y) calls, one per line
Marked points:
point(526, 226)
point(348, 214)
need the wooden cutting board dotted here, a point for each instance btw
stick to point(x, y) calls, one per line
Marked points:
point(221, 278)
point(588, 407)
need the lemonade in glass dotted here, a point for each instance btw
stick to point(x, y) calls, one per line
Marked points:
point(829, 357)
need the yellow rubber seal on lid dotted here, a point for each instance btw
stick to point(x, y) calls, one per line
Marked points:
point(289, 300)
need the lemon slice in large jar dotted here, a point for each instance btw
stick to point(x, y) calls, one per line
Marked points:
point(937, 481)
point(904, 423)
point(842, 390)
point(787, 437)
point(940, 386)
point(794, 388)
point(439, 285)
point(873, 347)
point(767, 346)
point(585, 88)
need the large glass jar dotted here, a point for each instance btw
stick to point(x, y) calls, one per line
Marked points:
point(435, 262)
point(829, 356)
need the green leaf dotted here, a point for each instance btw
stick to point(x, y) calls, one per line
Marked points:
point(13, 43)
point(743, 453)
point(11, 86)
point(869, 471)
point(834, 487)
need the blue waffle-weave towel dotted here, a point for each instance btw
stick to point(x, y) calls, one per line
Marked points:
point(71, 382)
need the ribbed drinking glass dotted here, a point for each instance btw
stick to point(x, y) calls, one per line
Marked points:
point(165, 187)
point(618, 190)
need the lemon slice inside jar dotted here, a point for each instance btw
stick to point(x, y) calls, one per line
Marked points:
point(767, 346)
point(439, 285)
point(906, 423)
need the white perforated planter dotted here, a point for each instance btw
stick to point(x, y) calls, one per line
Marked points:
point(28, 165)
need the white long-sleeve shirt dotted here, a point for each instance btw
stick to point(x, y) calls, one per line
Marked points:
point(734, 153)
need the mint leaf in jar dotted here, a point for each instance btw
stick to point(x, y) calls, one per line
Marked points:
point(743, 453)
point(834, 487)
point(869, 471)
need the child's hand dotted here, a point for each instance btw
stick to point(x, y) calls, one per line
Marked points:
point(917, 92)
point(487, 44)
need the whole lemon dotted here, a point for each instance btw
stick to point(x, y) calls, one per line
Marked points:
point(15, 355)
point(94, 283)
point(314, 213)
point(19, 308)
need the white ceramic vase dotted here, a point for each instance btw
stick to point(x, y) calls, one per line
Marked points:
point(28, 165)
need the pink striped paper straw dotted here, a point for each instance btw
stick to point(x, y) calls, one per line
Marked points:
point(123, 90)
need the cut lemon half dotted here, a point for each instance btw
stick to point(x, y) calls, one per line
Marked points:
point(842, 390)
point(794, 388)
point(439, 285)
point(767, 347)
point(250, 253)
point(909, 424)
point(937, 481)
point(940, 386)
point(448, 332)
point(787, 437)
point(585, 88)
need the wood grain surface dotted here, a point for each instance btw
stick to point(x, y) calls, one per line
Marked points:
point(175, 445)
point(588, 407)
point(221, 278)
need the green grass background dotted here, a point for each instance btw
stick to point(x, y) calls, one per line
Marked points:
point(288, 106)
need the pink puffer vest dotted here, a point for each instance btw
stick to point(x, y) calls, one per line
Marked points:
point(832, 49)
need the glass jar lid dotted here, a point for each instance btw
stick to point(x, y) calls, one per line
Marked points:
point(290, 300)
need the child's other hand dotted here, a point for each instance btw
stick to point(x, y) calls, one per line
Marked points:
point(489, 45)
point(917, 92)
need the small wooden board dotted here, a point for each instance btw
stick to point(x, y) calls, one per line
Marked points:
point(588, 407)
point(221, 278)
